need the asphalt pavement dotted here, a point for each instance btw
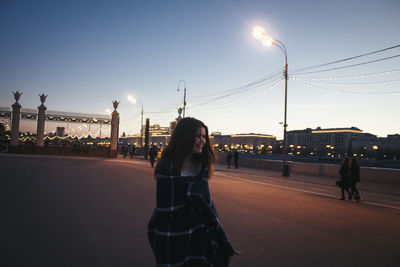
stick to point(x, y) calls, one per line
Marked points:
point(71, 211)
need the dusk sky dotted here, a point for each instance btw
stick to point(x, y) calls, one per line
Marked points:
point(84, 54)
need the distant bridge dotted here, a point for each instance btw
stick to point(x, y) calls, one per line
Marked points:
point(73, 123)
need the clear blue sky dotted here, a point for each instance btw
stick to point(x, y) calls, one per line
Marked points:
point(84, 54)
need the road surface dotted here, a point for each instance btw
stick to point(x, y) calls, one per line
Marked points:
point(65, 211)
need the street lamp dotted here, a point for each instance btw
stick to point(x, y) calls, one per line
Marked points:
point(134, 101)
point(260, 34)
point(184, 96)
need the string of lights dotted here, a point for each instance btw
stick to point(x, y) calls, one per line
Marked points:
point(348, 84)
point(359, 76)
point(314, 85)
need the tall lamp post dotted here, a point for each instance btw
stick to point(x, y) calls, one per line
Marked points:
point(184, 96)
point(134, 101)
point(260, 34)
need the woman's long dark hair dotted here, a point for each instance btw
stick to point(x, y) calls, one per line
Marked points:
point(181, 143)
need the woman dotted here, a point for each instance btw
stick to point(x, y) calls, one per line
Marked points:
point(355, 178)
point(345, 177)
point(185, 229)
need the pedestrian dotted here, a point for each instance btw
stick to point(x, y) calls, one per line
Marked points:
point(355, 178)
point(131, 151)
point(345, 177)
point(229, 159)
point(236, 157)
point(159, 154)
point(124, 150)
point(152, 154)
point(184, 229)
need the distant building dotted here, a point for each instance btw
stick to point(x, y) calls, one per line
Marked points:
point(323, 142)
point(157, 135)
point(250, 141)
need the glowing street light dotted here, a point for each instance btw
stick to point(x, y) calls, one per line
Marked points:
point(259, 34)
point(133, 100)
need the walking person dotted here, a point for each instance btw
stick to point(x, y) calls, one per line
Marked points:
point(124, 150)
point(152, 154)
point(236, 157)
point(345, 177)
point(184, 229)
point(355, 178)
point(229, 159)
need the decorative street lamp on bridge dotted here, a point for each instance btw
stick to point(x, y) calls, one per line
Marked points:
point(260, 34)
point(184, 96)
point(134, 101)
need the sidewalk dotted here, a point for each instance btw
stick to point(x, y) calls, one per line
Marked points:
point(261, 174)
point(321, 180)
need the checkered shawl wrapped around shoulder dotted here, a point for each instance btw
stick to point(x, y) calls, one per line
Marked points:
point(184, 229)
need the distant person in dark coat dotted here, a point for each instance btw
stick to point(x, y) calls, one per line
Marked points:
point(131, 151)
point(345, 177)
point(152, 154)
point(236, 156)
point(229, 159)
point(185, 229)
point(124, 150)
point(355, 178)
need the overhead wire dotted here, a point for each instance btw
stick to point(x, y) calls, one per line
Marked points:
point(231, 94)
point(344, 67)
point(235, 107)
point(346, 59)
point(243, 87)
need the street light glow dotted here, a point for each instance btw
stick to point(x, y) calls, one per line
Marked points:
point(131, 99)
point(258, 33)
point(267, 42)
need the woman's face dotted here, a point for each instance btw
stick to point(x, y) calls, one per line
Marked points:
point(199, 140)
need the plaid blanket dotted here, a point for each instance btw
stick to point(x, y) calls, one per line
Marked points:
point(184, 229)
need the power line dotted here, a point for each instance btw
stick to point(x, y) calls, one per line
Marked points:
point(227, 92)
point(230, 94)
point(348, 66)
point(345, 59)
point(243, 87)
point(255, 96)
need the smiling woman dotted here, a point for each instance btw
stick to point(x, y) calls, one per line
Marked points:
point(185, 229)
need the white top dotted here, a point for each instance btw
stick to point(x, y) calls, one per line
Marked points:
point(189, 169)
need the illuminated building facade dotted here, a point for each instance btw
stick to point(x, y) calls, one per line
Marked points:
point(61, 123)
point(157, 135)
point(331, 142)
point(245, 142)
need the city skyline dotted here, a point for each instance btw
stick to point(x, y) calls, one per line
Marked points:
point(84, 55)
point(28, 125)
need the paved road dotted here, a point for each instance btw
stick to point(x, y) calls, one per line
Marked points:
point(58, 211)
